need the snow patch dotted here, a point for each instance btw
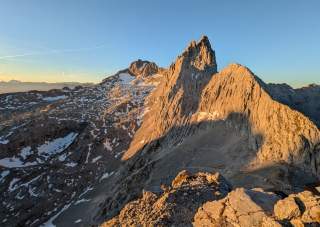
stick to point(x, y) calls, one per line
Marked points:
point(45, 150)
point(207, 116)
point(105, 176)
point(4, 174)
point(62, 157)
point(71, 164)
point(57, 145)
point(81, 201)
point(13, 185)
point(49, 223)
point(15, 162)
point(126, 78)
point(26, 151)
point(96, 159)
point(3, 141)
point(107, 145)
point(54, 98)
point(85, 191)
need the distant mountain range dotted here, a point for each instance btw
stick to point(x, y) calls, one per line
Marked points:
point(19, 86)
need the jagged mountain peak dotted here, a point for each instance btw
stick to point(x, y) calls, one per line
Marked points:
point(139, 63)
point(195, 65)
point(204, 40)
point(177, 97)
point(200, 55)
point(142, 68)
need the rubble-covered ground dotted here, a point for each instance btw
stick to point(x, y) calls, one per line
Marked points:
point(56, 145)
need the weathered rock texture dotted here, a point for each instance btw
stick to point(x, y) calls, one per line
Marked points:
point(143, 69)
point(203, 199)
point(299, 209)
point(286, 135)
point(178, 95)
point(178, 203)
point(191, 93)
point(243, 207)
point(305, 99)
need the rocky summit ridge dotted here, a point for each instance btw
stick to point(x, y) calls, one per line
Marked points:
point(194, 92)
point(178, 94)
point(150, 146)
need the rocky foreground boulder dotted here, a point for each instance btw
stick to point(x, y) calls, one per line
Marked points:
point(255, 207)
point(177, 204)
point(204, 199)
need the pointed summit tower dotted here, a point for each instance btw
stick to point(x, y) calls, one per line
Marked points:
point(200, 55)
point(176, 99)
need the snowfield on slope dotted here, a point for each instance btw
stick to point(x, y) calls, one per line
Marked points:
point(45, 150)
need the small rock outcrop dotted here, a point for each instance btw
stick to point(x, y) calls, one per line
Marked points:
point(241, 207)
point(143, 69)
point(177, 205)
point(302, 209)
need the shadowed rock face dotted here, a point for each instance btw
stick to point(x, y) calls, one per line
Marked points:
point(305, 99)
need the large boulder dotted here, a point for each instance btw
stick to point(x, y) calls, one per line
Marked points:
point(299, 209)
point(241, 207)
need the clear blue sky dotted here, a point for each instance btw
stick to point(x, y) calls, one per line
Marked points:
point(85, 40)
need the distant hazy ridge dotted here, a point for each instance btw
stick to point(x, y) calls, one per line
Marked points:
point(18, 86)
